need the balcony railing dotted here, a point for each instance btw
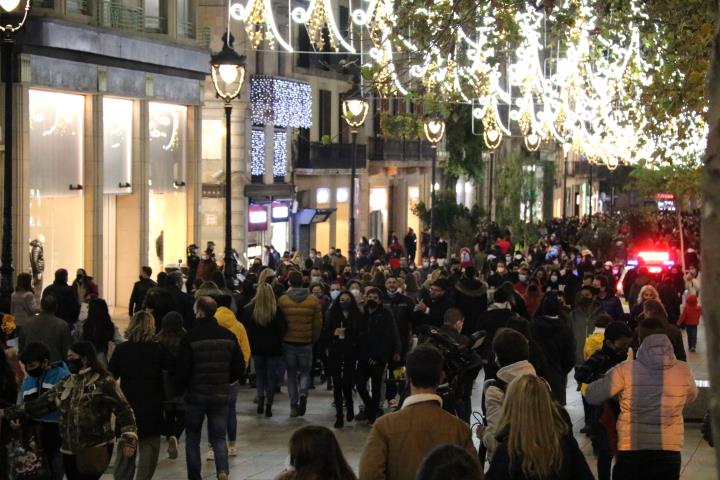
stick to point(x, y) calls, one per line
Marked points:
point(186, 29)
point(77, 7)
point(333, 156)
point(382, 149)
point(116, 15)
point(203, 36)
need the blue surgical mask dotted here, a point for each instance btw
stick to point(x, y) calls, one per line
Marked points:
point(334, 294)
point(522, 278)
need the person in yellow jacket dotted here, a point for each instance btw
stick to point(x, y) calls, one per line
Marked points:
point(227, 319)
point(595, 340)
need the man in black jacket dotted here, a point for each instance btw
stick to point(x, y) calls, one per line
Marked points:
point(471, 299)
point(431, 309)
point(183, 301)
point(68, 307)
point(209, 360)
point(401, 307)
point(140, 289)
point(383, 345)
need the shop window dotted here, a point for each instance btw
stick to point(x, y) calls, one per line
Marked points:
point(56, 171)
point(117, 145)
point(168, 199)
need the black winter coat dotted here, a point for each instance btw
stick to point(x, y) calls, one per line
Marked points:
point(209, 360)
point(356, 333)
point(68, 307)
point(401, 308)
point(556, 340)
point(437, 311)
point(490, 322)
point(471, 299)
point(184, 306)
point(139, 367)
point(383, 340)
point(265, 341)
point(137, 297)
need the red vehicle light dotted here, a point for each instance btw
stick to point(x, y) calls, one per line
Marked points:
point(654, 257)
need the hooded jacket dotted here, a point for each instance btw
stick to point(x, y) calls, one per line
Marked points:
point(692, 312)
point(555, 339)
point(227, 319)
point(652, 390)
point(583, 325)
point(495, 397)
point(303, 314)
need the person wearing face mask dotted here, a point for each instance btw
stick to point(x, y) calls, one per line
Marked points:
point(84, 287)
point(401, 307)
point(523, 277)
point(553, 284)
point(471, 299)
point(382, 347)
point(87, 402)
point(354, 287)
point(583, 318)
point(500, 275)
point(344, 334)
point(43, 375)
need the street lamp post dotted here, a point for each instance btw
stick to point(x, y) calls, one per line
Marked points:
point(227, 69)
point(13, 17)
point(492, 137)
point(434, 128)
point(355, 109)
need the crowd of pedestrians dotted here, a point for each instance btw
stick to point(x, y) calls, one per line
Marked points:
point(365, 328)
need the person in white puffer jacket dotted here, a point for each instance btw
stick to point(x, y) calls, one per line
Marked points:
point(652, 391)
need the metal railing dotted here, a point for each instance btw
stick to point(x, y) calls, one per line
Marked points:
point(186, 29)
point(77, 7)
point(116, 15)
point(204, 36)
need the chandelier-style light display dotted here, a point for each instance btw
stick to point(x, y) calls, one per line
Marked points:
point(582, 91)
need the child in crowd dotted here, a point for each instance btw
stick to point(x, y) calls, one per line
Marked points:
point(690, 319)
point(601, 420)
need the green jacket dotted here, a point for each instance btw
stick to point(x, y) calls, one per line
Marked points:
point(86, 403)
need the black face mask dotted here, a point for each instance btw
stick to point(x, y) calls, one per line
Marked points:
point(345, 306)
point(75, 365)
point(36, 372)
point(371, 304)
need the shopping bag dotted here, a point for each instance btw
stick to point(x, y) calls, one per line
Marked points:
point(26, 458)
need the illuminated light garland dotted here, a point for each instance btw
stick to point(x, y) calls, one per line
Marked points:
point(280, 102)
point(588, 98)
point(257, 153)
point(279, 153)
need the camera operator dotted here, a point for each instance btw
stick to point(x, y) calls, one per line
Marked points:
point(461, 362)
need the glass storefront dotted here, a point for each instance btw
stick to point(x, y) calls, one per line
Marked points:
point(167, 239)
point(56, 176)
point(322, 230)
point(121, 210)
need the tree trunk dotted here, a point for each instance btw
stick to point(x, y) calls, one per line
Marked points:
point(709, 234)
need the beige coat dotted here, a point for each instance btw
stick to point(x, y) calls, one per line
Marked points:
point(400, 441)
point(652, 391)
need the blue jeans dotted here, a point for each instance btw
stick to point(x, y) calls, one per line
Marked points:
point(232, 412)
point(217, 428)
point(266, 371)
point(692, 335)
point(298, 359)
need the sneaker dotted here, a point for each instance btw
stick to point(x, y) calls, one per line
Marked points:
point(172, 448)
point(210, 455)
point(232, 451)
point(294, 412)
point(303, 406)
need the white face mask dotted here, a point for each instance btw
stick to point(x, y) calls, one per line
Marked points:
point(315, 279)
point(355, 292)
point(554, 278)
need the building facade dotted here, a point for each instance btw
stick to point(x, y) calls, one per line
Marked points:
point(106, 139)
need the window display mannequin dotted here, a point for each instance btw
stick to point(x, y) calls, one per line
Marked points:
point(37, 262)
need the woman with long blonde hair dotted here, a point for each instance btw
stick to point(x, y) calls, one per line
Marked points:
point(265, 325)
point(535, 435)
point(138, 364)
